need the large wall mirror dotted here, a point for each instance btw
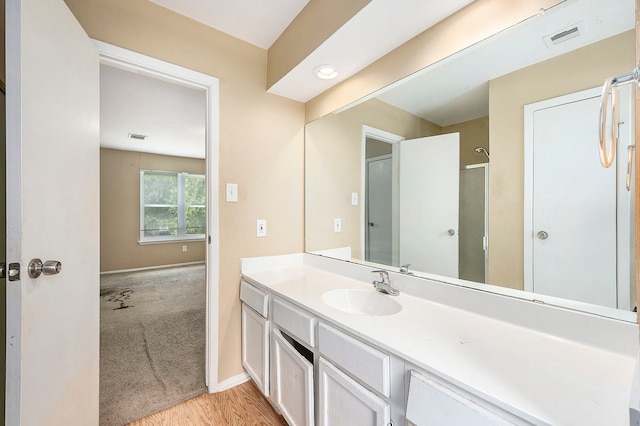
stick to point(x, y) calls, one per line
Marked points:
point(482, 169)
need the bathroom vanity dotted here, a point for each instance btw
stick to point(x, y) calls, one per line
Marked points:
point(327, 349)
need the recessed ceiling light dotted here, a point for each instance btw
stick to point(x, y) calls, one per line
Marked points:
point(137, 136)
point(325, 72)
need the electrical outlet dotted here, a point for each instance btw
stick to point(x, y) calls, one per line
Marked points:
point(337, 225)
point(261, 228)
point(184, 248)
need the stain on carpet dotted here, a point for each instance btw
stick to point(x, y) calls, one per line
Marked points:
point(120, 297)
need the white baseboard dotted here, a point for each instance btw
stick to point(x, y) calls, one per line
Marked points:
point(148, 268)
point(231, 382)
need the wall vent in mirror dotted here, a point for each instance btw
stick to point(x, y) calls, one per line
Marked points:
point(137, 136)
point(565, 34)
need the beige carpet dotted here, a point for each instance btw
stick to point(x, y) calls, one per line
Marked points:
point(152, 341)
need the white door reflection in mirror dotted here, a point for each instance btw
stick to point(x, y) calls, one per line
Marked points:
point(574, 254)
point(429, 203)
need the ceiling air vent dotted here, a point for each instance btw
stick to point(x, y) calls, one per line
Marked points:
point(567, 33)
point(137, 136)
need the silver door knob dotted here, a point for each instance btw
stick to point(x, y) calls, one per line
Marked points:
point(542, 235)
point(451, 232)
point(37, 267)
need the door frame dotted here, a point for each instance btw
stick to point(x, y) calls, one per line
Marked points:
point(393, 139)
point(145, 65)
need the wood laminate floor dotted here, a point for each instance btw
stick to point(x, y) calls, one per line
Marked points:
point(241, 405)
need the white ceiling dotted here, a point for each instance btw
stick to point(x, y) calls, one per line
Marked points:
point(172, 116)
point(381, 26)
point(456, 89)
point(259, 22)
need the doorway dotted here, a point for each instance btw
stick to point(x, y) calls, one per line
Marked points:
point(379, 213)
point(153, 234)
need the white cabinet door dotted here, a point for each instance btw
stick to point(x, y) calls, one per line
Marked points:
point(292, 382)
point(255, 347)
point(431, 402)
point(343, 401)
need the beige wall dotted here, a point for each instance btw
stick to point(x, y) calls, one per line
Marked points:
point(333, 169)
point(261, 139)
point(376, 148)
point(120, 212)
point(473, 133)
point(578, 70)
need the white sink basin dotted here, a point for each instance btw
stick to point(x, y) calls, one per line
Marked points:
point(363, 302)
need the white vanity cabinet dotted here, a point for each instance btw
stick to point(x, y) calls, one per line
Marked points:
point(255, 335)
point(313, 371)
point(449, 356)
point(353, 380)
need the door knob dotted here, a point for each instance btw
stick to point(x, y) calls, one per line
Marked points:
point(370, 223)
point(542, 235)
point(451, 232)
point(37, 267)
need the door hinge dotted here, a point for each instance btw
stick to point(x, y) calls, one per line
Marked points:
point(209, 239)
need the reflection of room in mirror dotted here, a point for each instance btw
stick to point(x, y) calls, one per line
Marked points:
point(511, 69)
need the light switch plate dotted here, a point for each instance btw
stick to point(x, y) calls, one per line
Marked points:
point(354, 198)
point(232, 193)
point(261, 228)
point(337, 225)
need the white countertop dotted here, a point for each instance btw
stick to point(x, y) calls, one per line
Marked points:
point(540, 377)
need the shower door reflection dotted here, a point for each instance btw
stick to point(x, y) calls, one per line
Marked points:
point(473, 222)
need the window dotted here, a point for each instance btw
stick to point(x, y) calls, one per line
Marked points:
point(172, 206)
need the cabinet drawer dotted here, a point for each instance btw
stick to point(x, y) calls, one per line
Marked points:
point(356, 358)
point(254, 297)
point(298, 323)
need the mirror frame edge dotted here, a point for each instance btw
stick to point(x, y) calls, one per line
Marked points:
point(637, 164)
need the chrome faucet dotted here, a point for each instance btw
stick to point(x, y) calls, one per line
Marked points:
point(404, 269)
point(384, 285)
